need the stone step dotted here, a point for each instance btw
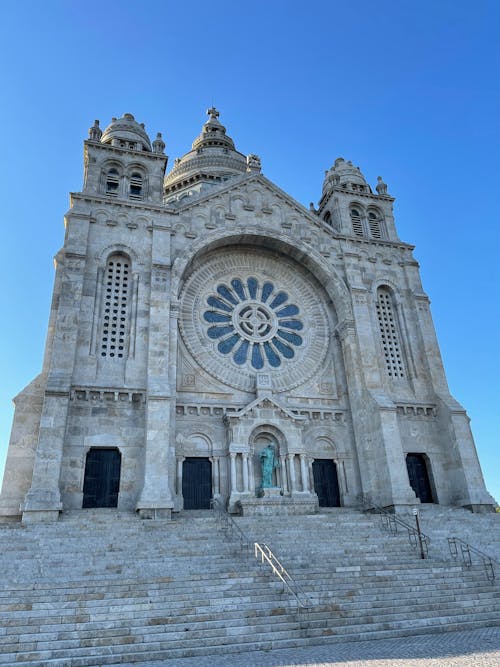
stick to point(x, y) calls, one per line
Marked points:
point(133, 651)
point(144, 583)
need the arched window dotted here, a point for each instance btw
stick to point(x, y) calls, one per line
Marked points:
point(374, 224)
point(112, 182)
point(357, 225)
point(113, 341)
point(136, 185)
point(328, 218)
point(389, 333)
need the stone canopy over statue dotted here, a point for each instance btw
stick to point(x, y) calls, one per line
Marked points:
point(268, 462)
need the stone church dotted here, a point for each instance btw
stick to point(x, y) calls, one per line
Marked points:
point(202, 316)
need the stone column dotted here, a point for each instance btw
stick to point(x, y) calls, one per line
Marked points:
point(310, 472)
point(304, 473)
point(180, 461)
point(232, 457)
point(291, 467)
point(284, 480)
point(251, 474)
point(245, 473)
point(215, 476)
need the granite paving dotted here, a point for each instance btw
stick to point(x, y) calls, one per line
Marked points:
point(474, 648)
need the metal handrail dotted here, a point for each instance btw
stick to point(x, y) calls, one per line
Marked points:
point(466, 549)
point(229, 525)
point(390, 522)
point(232, 529)
point(266, 555)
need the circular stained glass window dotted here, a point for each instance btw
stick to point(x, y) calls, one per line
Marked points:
point(253, 322)
point(251, 311)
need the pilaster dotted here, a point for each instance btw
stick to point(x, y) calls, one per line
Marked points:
point(156, 499)
point(43, 500)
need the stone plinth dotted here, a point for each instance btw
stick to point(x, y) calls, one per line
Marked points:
point(272, 503)
point(270, 492)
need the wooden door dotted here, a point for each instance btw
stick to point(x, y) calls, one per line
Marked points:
point(197, 483)
point(326, 483)
point(102, 478)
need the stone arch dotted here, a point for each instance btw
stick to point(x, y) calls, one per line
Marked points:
point(197, 444)
point(327, 275)
point(387, 283)
point(324, 444)
point(117, 248)
point(265, 429)
point(262, 435)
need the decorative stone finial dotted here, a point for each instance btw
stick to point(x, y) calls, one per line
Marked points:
point(95, 132)
point(253, 163)
point(213, 113)
point(158, 144)
point(381, 187)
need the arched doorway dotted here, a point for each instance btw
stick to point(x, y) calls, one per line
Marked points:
point(102, 478)
point(197, 483)
point(419, 477)
point(326, 482)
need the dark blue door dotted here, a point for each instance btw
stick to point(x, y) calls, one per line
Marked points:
point(102, 478)
point(326, 483)
point(419, 477)
point(197, 483)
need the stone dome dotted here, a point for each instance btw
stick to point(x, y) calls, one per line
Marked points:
point(213, 155)
point(343, 173)
point(126, 130)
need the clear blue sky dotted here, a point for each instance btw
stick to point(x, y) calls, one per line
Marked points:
point(406, 90)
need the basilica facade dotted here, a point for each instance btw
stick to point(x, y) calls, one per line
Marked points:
point(202, 319)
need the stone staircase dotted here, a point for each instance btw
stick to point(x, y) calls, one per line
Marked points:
point(102, 587)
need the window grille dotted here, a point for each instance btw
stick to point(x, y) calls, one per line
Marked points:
point(116, 306)
point(136, 186)
point(357, 225)
point(112, 182)
point(374, 225)
point(389, 333)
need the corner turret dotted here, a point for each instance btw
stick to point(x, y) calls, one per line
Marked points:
point(349, 205)
point(121, 163)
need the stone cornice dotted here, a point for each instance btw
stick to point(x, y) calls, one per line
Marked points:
point(118, 150)
point(94, 198)
point(352, 193)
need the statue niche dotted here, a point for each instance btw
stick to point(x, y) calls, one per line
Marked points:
point(266, 464)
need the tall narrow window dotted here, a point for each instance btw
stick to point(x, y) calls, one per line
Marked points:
point(389, 333)
point(112, 182)
point(136, 186)
point(328, 218)
point(357, 225)
point(115, 307)
point(374, 225)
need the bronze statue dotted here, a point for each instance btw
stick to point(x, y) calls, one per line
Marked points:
point(268, 462)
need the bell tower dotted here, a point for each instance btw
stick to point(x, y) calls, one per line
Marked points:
point(349, 205)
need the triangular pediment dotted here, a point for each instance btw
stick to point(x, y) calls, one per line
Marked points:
point(267, 403)
point(255, 192)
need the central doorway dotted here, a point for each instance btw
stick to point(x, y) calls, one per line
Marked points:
point(102, 478)
point(197, 483)
point(326, 482)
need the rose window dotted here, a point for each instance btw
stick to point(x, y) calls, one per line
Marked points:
point(253, 323)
